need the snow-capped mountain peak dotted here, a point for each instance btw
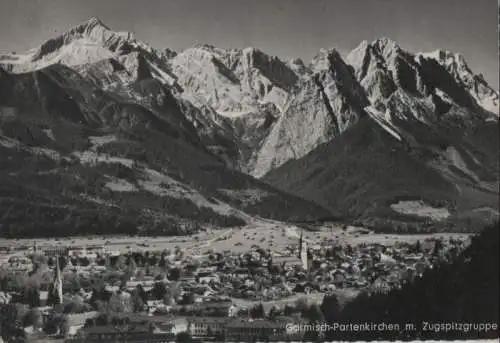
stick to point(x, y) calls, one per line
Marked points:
point(326, 59)
point(385, 44)
point(93, 22)
point(92, 32)
point(88, 44)
point(85, 43)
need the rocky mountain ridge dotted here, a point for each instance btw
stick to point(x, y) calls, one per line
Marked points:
point(250, 113)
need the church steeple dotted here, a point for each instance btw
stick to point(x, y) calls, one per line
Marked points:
point(303, 250)
point(57, 285)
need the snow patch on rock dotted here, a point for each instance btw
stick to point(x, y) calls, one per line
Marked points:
point(99, 141)
point(384, 121)
point(120, 185)
point(92, 158)
point(50, 134)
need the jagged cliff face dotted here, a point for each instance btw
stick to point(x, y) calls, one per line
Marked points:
point(265, 117)
point(257, 112)
point(413, 93)
point(233, 82)
point(245, 89)
point(279, 111)
point(424, 133)
point(473, 83)
point(326, 102)
point(443, 79)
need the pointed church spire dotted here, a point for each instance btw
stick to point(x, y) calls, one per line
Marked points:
point(300, 241)
point(57, 286)
point(303, 250)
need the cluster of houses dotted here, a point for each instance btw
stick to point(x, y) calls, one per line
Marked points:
point(208, 286)
point(21, 264)
point(202, 329)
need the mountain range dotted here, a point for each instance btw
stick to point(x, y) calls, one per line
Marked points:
point(102, 133)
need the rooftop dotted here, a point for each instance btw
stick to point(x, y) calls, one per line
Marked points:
point(106, 329)
point(222, 304)
point(258, 324)
point(207, 320)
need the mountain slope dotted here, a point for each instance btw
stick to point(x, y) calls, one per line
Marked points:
point(423, 140)
point(366, 171)
point(336, 176)
point(176, 139)
point(245, 89)
point(77, 159)
point(328, 101)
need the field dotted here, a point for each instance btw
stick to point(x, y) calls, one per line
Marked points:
point(265, 234)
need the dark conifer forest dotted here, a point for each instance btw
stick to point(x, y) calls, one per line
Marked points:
point(462, 293)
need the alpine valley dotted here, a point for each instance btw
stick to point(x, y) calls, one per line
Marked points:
point(101, 133)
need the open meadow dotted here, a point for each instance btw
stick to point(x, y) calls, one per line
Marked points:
point(267, 235)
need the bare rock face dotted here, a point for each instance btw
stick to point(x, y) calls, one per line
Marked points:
point(425, 132)
point(386, 71)
point(328, 100)
point(474, 84)
point(233, 82)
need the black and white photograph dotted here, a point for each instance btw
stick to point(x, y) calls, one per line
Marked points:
point(249, 171)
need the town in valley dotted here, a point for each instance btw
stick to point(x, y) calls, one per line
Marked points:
point(189, 288)
point(196, 171)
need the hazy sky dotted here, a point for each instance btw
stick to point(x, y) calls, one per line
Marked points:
point(287, 28)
